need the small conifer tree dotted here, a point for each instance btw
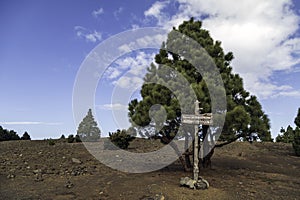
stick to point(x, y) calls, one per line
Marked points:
point(88, 129)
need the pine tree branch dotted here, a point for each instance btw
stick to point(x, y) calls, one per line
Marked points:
point(229, 141)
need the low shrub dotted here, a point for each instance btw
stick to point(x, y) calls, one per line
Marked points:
point(71, 138)
point(121, 138)
point(51, 142)
point(77, 138)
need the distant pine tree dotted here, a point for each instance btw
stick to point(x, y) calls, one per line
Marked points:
point(88, 129)
point(25, 136)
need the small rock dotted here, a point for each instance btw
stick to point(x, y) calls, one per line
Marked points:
point(184, 180)
point(10, 176)
point(192, 184)
point(75, 160)
point(188, 182)
point(159, 197)
point(109, 183)
point(38, 177)
point(241, 154)
point(69, 184)
point(156, 197)
point(147, 198)
point(36, 171)
point(202, 184)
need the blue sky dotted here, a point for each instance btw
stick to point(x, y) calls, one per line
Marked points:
point(43, 43)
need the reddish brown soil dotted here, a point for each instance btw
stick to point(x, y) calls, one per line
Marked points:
point(36, 170)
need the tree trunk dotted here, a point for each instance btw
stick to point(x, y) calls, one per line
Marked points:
point(184, 162)
point(206, 160)
point(187, 153)
point(183, 158)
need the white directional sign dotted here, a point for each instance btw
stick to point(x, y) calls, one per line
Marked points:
point(204, 119)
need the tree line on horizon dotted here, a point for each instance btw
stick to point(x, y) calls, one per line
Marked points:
point(290, 135)
point(6, 135)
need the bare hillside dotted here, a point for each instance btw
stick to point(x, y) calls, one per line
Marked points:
point(36, 170)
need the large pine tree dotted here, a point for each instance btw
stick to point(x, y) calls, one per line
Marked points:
point(88, 129)
point(244, 117)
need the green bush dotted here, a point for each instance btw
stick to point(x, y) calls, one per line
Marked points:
point(51, 142)
point(77, 138)
point(121, 139)
point(71, 138)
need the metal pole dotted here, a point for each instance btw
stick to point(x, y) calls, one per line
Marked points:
point(196, 145)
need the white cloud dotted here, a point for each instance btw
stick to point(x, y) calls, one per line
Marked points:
point(156, 11)
point(125, 48)
point(128, 72)
point(118, 12)
point(93, 37)
point(98, 12)
point(145, 41)
point(135, 26)
point(259, 33)
point(129, 82)
point(88, 35)
point(113, 73)
point(156, 8)
point(154, 40)
point(31, 123)
point(292, 93)
point(116, 106)
point(296, 70)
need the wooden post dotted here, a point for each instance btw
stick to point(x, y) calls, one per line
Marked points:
point(196, 144)
point(196, 120)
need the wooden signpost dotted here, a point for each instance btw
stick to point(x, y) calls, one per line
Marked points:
point(204, 119)
point(197, 119)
